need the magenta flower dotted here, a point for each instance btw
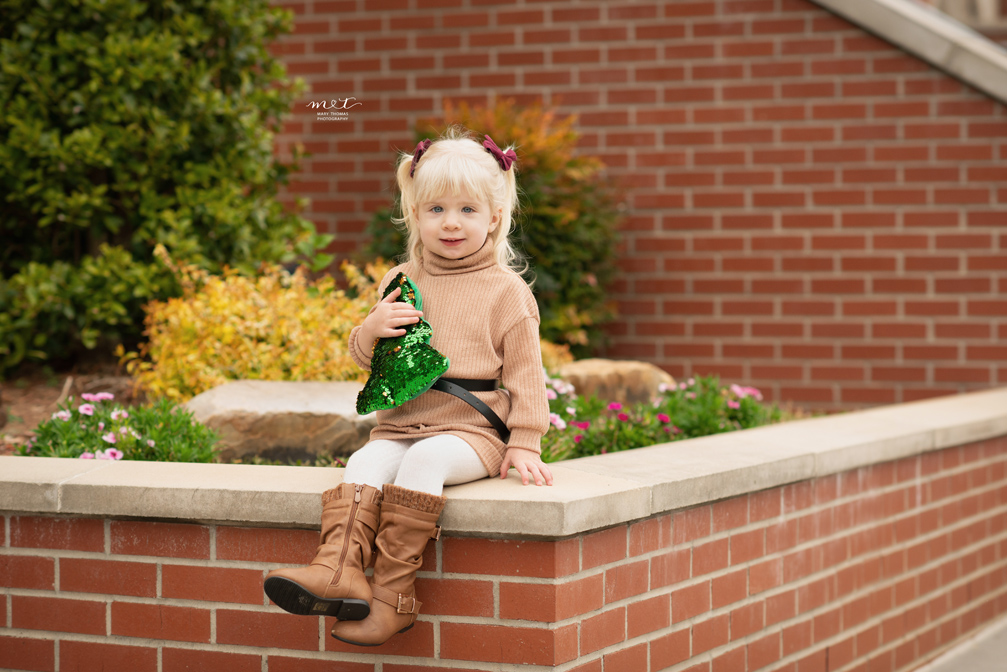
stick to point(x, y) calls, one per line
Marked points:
point(663, 417)
point(577, 439)
point(615, 406)
point(86, 409)
point(623, 417)
point(101, 396)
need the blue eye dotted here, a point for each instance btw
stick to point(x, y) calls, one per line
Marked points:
point(437, 208)
point(468, 208)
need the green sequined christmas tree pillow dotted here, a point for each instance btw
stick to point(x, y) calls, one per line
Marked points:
point(404, 367)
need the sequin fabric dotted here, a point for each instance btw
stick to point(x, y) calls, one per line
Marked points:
point(404, 367)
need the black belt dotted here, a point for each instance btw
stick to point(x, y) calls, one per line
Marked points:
point(463, 389)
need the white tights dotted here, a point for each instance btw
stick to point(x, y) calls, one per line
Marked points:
point(426, 465)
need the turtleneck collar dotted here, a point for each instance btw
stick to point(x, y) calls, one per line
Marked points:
point(434, 264)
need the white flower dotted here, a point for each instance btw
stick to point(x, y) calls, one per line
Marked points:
point(61, 415)
point(120, 414)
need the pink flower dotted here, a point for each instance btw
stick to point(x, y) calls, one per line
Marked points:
point(87, 456)
point(101, 396)
point(61, 415)
point(557, 421)
point(615, 406)
point(110, 437)
point(582, 425)
point(663, 417)
point(113, 454)
point(623, 417)
point(550, 394)
point(731, 403)
point(150, 442)
point(119, 414)
point(101, 426)
point(86, 409)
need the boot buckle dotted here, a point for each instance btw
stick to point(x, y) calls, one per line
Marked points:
point(403, 600)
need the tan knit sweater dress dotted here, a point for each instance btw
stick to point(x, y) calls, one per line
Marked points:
point(486, 322)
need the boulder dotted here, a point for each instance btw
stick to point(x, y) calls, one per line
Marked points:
point(280, 420)
point(615, 380)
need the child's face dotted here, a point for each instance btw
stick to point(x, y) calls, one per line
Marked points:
point(455, 226)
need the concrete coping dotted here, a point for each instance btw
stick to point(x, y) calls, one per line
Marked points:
point(590, 493)
point(933, 36)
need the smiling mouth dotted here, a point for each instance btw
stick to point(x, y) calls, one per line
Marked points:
point(450, 241)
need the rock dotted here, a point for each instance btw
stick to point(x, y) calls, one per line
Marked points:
point(280, 420)
point(615, 380)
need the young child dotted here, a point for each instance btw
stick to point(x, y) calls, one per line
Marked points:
point(457, 200)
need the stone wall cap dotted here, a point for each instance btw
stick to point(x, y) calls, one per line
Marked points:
point(590, 493)
point(932, 36)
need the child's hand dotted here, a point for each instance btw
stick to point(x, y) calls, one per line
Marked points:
point(387, 318)
point(529, 464)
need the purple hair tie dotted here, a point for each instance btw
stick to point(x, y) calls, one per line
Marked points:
point(505, 159)
point(421, 147)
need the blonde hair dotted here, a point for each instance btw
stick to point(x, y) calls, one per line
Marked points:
point(454, 163)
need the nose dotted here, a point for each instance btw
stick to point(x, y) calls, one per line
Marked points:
point(451, 220)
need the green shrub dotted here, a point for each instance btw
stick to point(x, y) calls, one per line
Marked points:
point(583, 426)
point(567, 224)
point(163, 432)
point(126, 124)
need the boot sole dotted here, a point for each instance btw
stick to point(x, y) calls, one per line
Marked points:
point(296, 599)
point(348, 641)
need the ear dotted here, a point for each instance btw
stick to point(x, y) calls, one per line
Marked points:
point(495, 222)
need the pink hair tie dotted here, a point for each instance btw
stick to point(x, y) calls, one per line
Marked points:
point(505, 159)
point(421, 147)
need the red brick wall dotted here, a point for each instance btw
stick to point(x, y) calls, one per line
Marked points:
point(810, 210)
point(882, 568)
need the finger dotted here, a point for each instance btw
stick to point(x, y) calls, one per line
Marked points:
point(548, 474)
point(523, 470)
point(537, 472)
point(391, 297)
point(505, 467)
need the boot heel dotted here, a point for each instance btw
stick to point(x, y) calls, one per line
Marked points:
point(353, 610)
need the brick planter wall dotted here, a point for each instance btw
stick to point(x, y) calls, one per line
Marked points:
point(811, 210)
point(878, 567)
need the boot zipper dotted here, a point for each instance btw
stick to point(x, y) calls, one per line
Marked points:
point(349, 530)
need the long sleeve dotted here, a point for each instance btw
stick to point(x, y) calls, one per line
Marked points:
point(359, 354)
point(523, 377)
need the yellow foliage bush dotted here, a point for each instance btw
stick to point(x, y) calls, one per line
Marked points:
point(275, 326)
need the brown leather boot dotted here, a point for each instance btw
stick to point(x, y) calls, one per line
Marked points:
point(334, 583)
point(408, 520)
